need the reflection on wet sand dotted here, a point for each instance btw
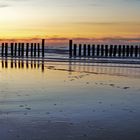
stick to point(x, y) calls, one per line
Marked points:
point(20, 64)
point(109, 69)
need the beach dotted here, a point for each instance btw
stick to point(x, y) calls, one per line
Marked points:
point(48, 100)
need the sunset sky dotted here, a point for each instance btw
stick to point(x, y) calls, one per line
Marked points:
point(69, 18)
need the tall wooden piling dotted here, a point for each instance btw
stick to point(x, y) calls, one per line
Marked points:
point(124, 51)
point(136, 51)
point(2, 49)
point(32, 49)
point(102, 50)
point(43, 47)
point(80, 50)
point(15, 49)
point(75, 50)
point(6, 49)
point(12, 49)
point(22, 49)
point(127, 51)
point(131, 51)
point(115, 51)
point(85, 50)
point(111, 51)
point(98, 50)
point(93, 50)
point(89, 50)
point(27, 49)
point(19, 44)
point(119, 50)
point(70, 48)
point(38, 49)
point(106, 50)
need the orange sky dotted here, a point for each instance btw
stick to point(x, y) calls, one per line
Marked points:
point(69, 19)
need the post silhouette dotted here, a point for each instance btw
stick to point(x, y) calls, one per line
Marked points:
point(6, 49)
point(27, 49)
point(43, 47)
point(75, 50)
point(106, 50)
point(2, 49)
point(15, 49)
point(12, 49)
point(70, 48)
point(93, 50)
point(22, 49)
point(80, 49)
point(85, 50)
point(32, 49)
point(19, 44)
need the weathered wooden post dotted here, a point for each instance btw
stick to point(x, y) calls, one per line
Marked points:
point(32, 49)
point(75, 50)
point(22, 50)
point(15, 49)
point(102, 50)
point(127, 51)
point(88, 50)
point(85, 50)
point(70, 48)
point(93, 50)
point(19, 44)
point(38, 50)
point(136, 51)
point(43, 47)
point(106, 50)
point(111, 51)
point(12, 49)
point(119, 50)
point(27, 49)
point(6, 49)
point(115, 51)
point(131, 51)
point(98, 50)
point(80, 49)
point(124, 51)
point(2, 49)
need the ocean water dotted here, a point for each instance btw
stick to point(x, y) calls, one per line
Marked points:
point(69, 100)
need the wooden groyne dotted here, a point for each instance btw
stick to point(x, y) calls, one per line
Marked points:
point(23, 49)
point(103, 51)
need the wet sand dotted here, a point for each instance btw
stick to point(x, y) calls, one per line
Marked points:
point(69, 101)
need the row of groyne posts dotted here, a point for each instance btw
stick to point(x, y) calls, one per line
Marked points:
point(23, 49)
point(103, 51)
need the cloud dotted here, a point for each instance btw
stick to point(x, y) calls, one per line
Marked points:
point(4, 5)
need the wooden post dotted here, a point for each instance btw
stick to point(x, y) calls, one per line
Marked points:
point(2, 49)
point(85, 50)
point(75, 50)
point(27, 49)
point(124, 51)
point(93, 50)
point(88, 50)
point(106, 50)
point(102, 50)
point(43, 47)
point(115, 51)
point(119, 50)
point(38, 50)
point(111, 51)
point(22, 50)
point(15, 49)
point(98, 50)
point(127, 51)
point(136, 51)
point(19, 44)
point(80, 50)
point(6, 49)
point(70, 48)
point(131, 51)
point(32, 49)
point(12, 50)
